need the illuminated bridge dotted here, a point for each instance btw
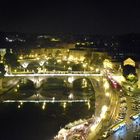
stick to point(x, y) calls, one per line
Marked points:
point(37, 78)
point(57, 73)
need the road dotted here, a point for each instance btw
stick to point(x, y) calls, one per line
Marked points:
point(128, 132)
point(112, 101)
point(132, 127)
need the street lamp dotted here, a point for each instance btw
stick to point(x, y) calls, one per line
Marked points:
point(71, 96)
point(103, 111)
point(70, 79)
point(84, 66)
point(106, 85)
point(97, 70)
point(107, 94)
point(24, 65)
point(41, 63)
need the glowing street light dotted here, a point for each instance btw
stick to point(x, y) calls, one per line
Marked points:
point(24, 65)
point(107, 94)
point(107, 64)
point(59, 61)
point(97, 70)
point(71, 96)
point(64, 105)
point(104, 108)
point(15, 90)
point(91, 68)
point(53, 99)
point(106, 85)
point(103, 111)
point(41, 63)
point(84, 65)
point(70, 79)
point(20, 57)
point(70, 58)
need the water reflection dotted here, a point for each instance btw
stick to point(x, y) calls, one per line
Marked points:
point(29, 121)
point(42, 121)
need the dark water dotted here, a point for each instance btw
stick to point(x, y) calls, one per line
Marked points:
point(30, 122)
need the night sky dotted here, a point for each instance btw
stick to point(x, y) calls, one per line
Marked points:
point(96, 17)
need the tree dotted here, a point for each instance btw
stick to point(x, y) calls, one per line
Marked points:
point(2, 70)
point(10, 59)
point(128, 69)
point(57, 53)
point(129, 72)
point(132, 78)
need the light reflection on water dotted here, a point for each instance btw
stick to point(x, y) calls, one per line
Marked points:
point(30, 121)
point(38, 121)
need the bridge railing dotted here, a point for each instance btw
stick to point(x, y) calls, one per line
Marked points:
point(54, 73)
point(58, 72)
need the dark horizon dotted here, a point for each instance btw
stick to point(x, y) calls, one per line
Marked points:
point(71, 17)
point(69, 33)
